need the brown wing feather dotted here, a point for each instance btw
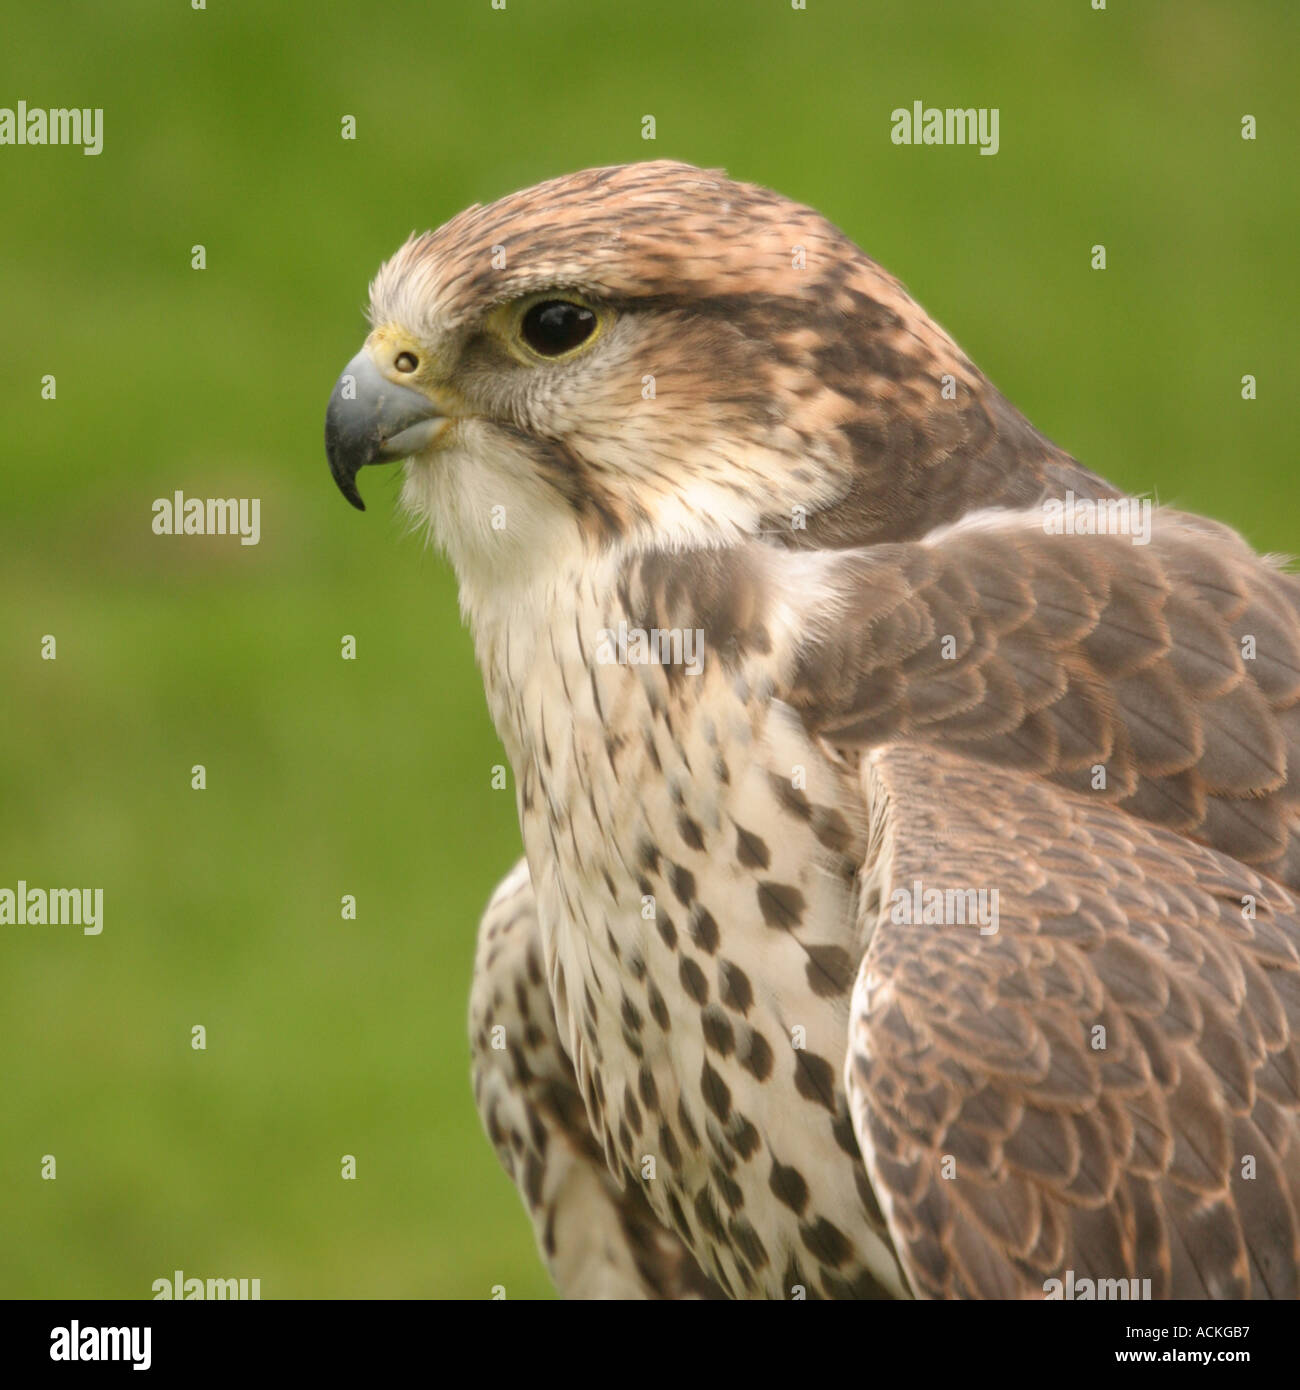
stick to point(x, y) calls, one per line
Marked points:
point(1162, 678)
point(1109, 1084)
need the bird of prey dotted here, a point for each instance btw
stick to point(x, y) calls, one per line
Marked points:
point(908, 905)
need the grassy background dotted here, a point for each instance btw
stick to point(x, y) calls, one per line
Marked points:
point(371, 777)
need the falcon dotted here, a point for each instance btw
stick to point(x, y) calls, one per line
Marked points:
point(908, 905)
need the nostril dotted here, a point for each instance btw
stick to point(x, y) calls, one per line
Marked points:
point(406, 362)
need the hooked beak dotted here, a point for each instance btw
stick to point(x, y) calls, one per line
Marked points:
point(372, 420)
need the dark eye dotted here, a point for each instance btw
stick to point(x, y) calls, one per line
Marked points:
point(406, 362)
point(555, 327)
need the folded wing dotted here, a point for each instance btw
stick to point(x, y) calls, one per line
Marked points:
point(1073, 1045)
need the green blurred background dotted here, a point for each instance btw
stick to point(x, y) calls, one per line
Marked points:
point(372, 777)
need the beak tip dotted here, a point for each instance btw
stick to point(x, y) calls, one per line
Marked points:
point(372, 421)
point(343, 473)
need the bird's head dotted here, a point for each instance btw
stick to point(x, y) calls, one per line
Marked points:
point(654, 354)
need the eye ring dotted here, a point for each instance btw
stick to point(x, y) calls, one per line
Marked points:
point(406, 362)
point(556, 327)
